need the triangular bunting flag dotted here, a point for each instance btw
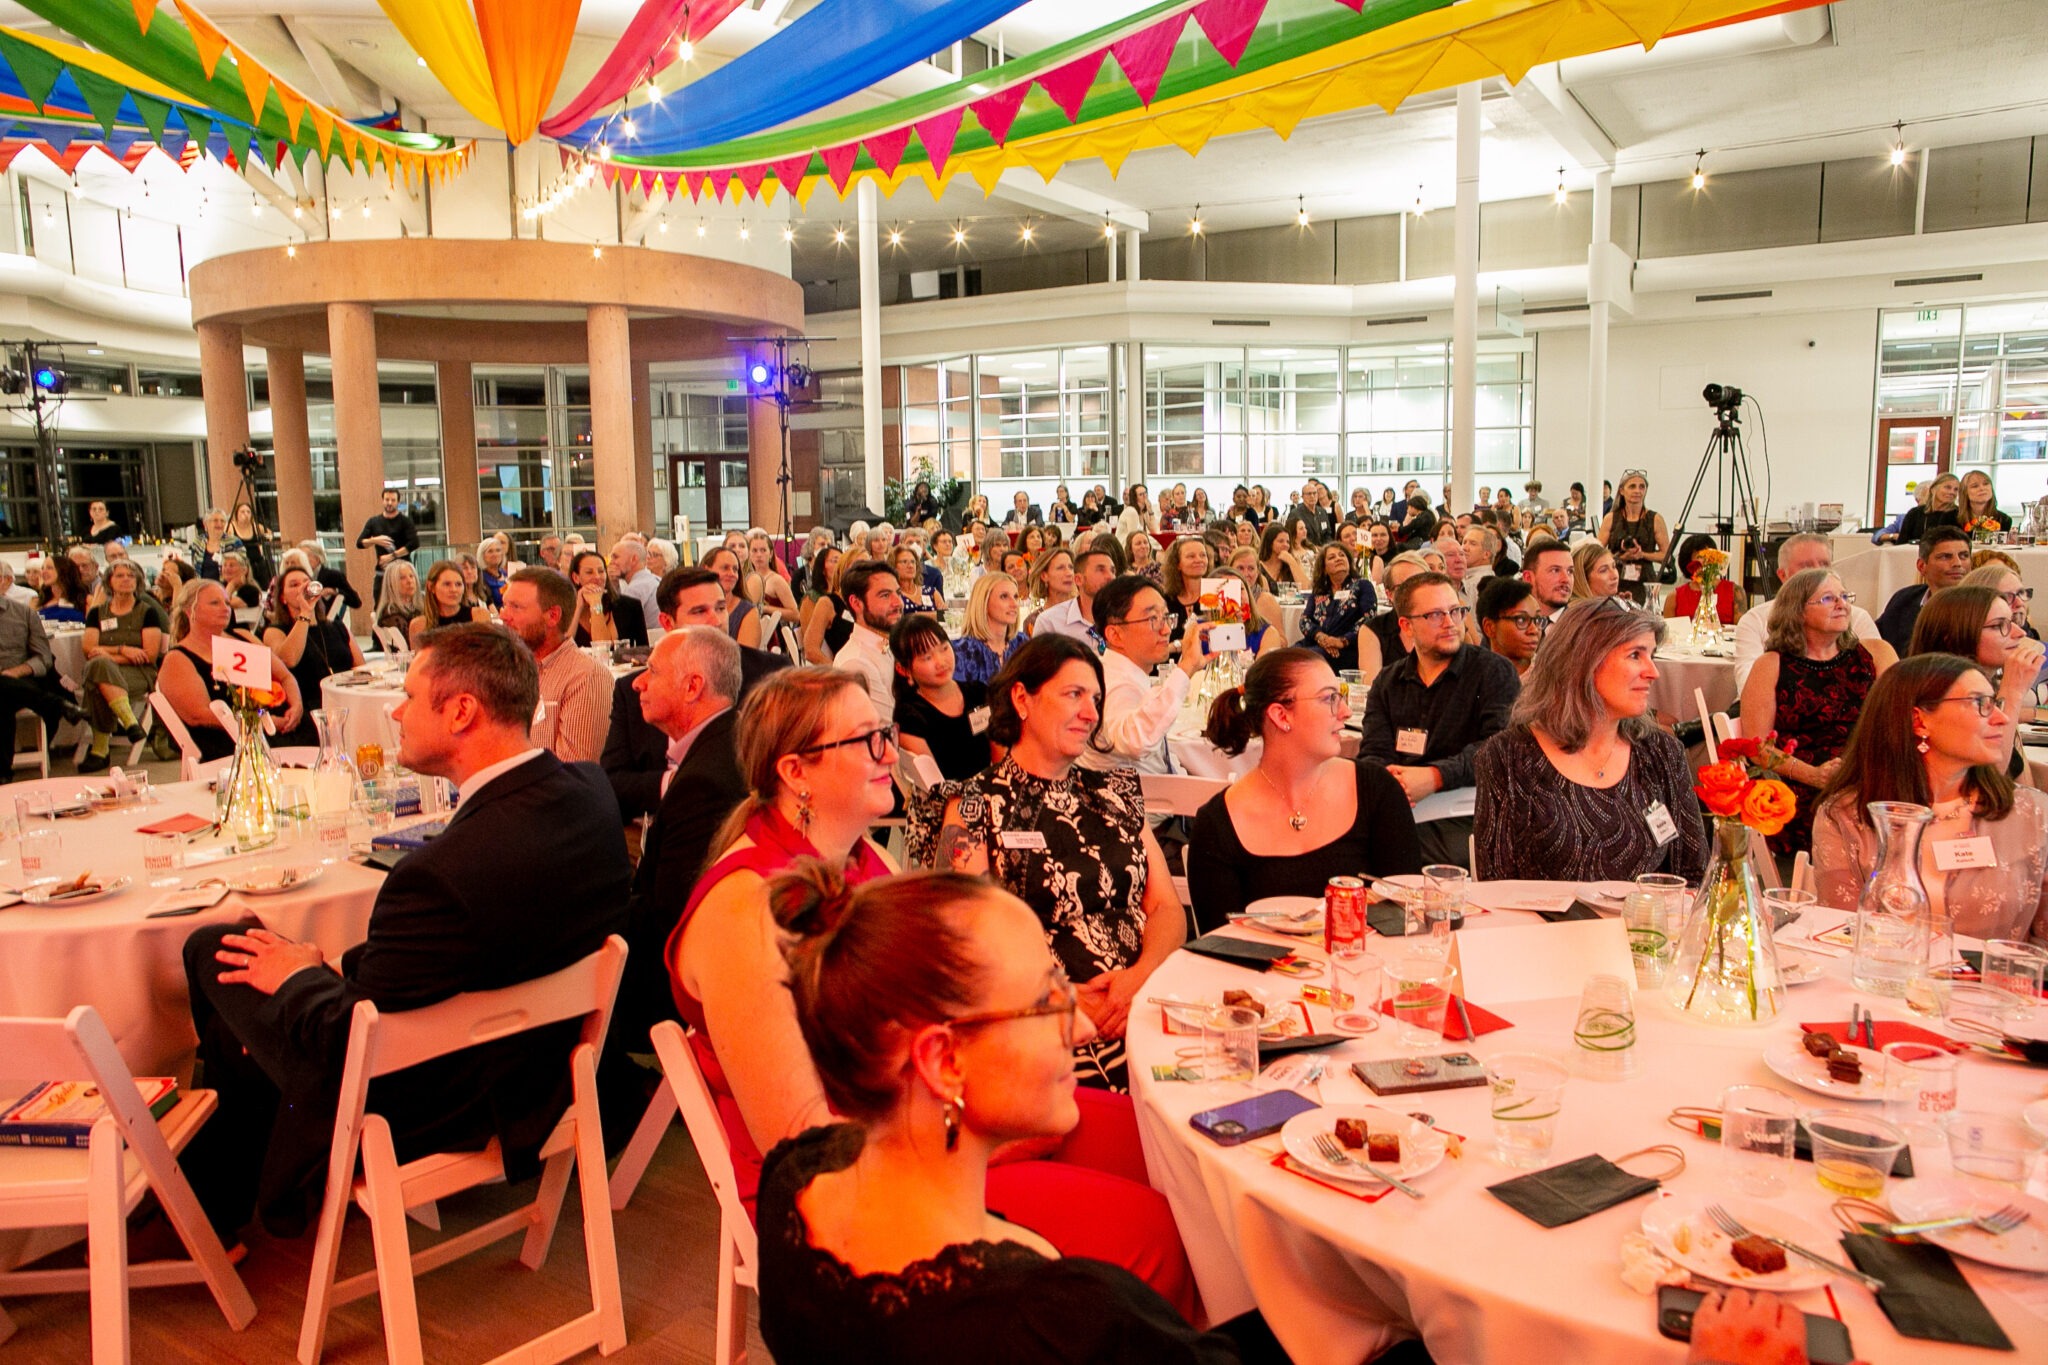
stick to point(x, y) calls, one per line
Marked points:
point(74, 152)
point(145, 10)
point(1649, 20)
point(695, 181)
point(789, 171)
point(839, 163)
point(1355, 5)
point(1068, 85)
point(255, 83)
point(1515, 44)
point(1115, 143)
point(36, 69)
point(719, 180)
point(1284, 106)
point(279, 153)
point(294, 107)
point(208, 39)
point(57, 137)
point(197, 127)
point(102, 96)
point(1397, 75)
point(155, 113)
point(937, 134)
point(119, 145)
point(767, 192)
point(1145, 54)
point(669, 181)
point(887, 149)
point(238, 142)
point(987, 172)
point(1190, 129)
point(998, 111)
point(323, 129)
point(750, 178)
point(1229, 24)
point(1046, 157)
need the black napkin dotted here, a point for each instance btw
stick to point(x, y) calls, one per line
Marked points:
point(1924, 1295)
point(1239, 952)
point(1269, 1048)
point(1579, 910)
point(1389, 920)
point(1567, 1193)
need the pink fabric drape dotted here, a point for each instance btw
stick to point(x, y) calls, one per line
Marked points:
point(647, 46)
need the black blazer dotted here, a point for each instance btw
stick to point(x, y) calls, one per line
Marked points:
point(706, 787)
point(529, 876)
point(636, 753)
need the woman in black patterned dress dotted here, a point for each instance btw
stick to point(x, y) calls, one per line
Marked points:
point(1070, 842)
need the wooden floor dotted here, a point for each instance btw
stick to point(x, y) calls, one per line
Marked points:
point(469, 1311)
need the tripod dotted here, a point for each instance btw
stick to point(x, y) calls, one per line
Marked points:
point(774, 381)
point(1735, 498)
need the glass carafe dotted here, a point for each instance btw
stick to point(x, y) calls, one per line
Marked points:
point(1891, 915)
point(335, 780)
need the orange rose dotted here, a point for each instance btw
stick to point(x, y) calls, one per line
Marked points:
point(1722, 786)
point(1768, 806)
point(264, 697)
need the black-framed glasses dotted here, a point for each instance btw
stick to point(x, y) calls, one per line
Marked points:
point(1985, 702)
point(1442, 616)
point(2009, 626)
point(1063, 1001)
point(879, 742)
point(2018, 597)
point(1154, 620)
point(1525, 621)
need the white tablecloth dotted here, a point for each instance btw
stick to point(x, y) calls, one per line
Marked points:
point(1338, 1279)
point(68, 643)
point(367, 706)
point(1290, 621)
point(1679, 671)
point(1875, 572)
point(106, 954)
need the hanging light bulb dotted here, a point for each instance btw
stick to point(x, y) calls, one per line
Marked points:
point(1195, 223)
point(1108, 228)
point(685, 50)
point(746, 233)
point(366, 210)
point(1561, 195)
point(1899, 144)
point(291, 250)
point(839, 235)
point(664, 225)
point(596, 253)
point(1418, 201)
point(700, 227)
point(959, 235)
point(1699, 172)
point(604, 153)
point(653, 93)
point(1028, 231)
point(298, 212)
point(895, 236)
point(255, 207)
point(334, 213)
point(788, 233)
point(1300, 211)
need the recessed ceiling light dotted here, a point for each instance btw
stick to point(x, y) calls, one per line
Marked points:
point(1029, 365)
point(95, 350)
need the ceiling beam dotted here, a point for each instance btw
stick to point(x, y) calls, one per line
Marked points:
point(1064, 200)
point(1551, 103)
point(336, 89)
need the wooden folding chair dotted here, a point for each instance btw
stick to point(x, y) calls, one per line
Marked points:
point(382, 1043)
point(130, 1154)
point(738, 1251)
point(188, 751)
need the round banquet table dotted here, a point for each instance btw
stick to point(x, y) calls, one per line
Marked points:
point(106, 953)
point(1339, 1279)
point(366, 697)
point(68, 643)
point(1681, 670)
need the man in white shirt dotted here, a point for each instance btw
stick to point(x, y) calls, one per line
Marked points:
point(1137, 712)
point(1482, 548)
point(1796, 554)
point(875, 600)
point(629, 567)
point(1094, 567)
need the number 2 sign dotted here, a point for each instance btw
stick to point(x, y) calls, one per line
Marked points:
point(238, 663)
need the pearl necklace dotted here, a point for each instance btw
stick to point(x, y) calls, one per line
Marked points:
point(1295, 820)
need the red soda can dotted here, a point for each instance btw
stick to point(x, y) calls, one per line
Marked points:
point(1344, 916)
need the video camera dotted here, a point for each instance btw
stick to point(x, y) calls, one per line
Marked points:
point(248, 461)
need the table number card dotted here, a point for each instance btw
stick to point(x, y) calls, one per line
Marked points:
point(238, 663)
point(1539, 961)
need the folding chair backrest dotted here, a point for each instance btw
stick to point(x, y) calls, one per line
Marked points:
point(1177, 795)
point(79, 1048)
point(394, 640)
point(917, 772)
point(707, 1131)
point(188, 750)
point(225, 714)
point(791, 644)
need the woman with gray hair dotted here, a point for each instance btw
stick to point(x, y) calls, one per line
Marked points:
point(1581, 786)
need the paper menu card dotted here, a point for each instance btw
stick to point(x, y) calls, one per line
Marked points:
point(1539, 961)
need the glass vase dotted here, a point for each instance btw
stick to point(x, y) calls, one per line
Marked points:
point(248, 798)
point(1726, 968)
point(1891, 914)
point(1706, 616)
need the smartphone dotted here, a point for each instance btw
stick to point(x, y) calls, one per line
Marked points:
point(1250, 1118)
point(1827, 1340)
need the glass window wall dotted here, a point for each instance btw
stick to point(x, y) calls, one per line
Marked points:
point(1982, 370)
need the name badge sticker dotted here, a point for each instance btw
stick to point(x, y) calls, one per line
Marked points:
point(1632, 571)
point(1662, 827)
point(1957, 855)
point(1411, 742)
point(1027, 840)
point(977, 719)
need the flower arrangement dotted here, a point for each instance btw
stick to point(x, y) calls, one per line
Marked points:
point(1726, 968)
point(1709, 565)
point(1983, 530)
point(247, 798)
point(1729, 789)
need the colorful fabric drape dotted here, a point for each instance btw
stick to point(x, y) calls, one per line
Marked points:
point(645, 49)
point(525, 42)
point(444, 35)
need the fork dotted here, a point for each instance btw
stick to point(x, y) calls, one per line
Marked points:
point(1996, 1223)
point(1731, 1225)
point(1331, 1152)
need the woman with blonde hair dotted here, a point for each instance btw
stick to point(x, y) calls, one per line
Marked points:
point(122, 644)
point(398, 605)
point(1944, 494)
point(1051, 583)
point(1141, 551)
point(1180, 582)
point(494, 568)
point(766, 587)
point(1593, 572)
point(447, 603)
point(1979, 502)
point(1638, 536)
point(1998, 571)
point(990, 635)
point(186, 679)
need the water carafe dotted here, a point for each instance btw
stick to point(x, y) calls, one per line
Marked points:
point(1891, 915)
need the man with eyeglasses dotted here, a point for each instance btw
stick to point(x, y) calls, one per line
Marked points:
point(1429, 712)
point(1944, 562)
point(872, 595)
point(1548, 571)
point(1510, 622)
point(1796, 554)
point(1137, 713)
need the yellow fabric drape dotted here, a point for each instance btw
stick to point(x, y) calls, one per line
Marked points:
point(100, 64)
point(525, 42)
point(445, 36)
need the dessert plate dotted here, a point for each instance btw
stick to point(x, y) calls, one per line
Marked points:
point(1422, 1147)
point(1678, 1227)
point(1802, 1068)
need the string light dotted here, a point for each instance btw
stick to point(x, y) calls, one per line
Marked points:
point(631, 130)
point(291, 250)
point(663, 225)
point(298, 212)
point(839, 235)
point(700, 227)
point(1899, 146)
point(653, 93)
point(1195, 223)
point(334, 213)
point(1418, 201)
point(1300, 211)
point(788, 233)
point(746, 233)
point(604, 151)
point(255, 207)
point(1699, 171)
point(1561, 196)
point(1028, 231)
point(596, 253)
point(959, 235)
point(1108, 228)
point(895, 236)
point(685, 51)
point(366, 210)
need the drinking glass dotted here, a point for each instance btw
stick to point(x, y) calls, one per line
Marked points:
point(1787, 903)
point(34, 806)
point(2015, 968)
point(1919, 1086)
point(1230, 1045)
point(1929, 983)
point(330, 835)
point(40, 849)
point(1853, 1153)
point(1646, 914)
point(1980, 1005)
point(138, 778)
point(1759, 1130)
point(162, 856)
point(1421, 986)
point(1443, 895)
point(1363, 977)
point(1528, 1092)
point(1606, 1029)
point(1992, 1146)
point(1351, 682)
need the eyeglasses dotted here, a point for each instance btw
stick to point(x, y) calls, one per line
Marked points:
point(1628, 474)
point(1151, 620)
point(879, 743)
point(1441, 617)
point(2009, 626)
point(1524, 621)
point(1330, 699)
point(1985, 702)
point(1064, 1003)
point(1832, 600)
point(2017, 597)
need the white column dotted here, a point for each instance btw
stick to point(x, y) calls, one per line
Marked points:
point(1109, 246)
point(1134, 415)
point(1131, 255)
point(1465, 306)
point(870, 342)
point(1599, 294)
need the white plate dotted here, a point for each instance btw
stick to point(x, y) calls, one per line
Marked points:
point(1422, 1147)
point(274, 881)
point(1606, 894)
point(2035, 1116)
point(1282, 1019)
point(1299, 915)
point(1797, 968)
point(40, 895)
point(1678, 1227)
point(1802, 1068)
point(2024, 1248)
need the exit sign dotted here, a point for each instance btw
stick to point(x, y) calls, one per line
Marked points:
point(1926, 315)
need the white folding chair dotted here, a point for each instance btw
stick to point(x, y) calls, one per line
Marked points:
point(394, 641)
point(1802, 873)
point(188, 751)
point(129, 1154)
point(382, 1043)
point(792, 644)
point(738, 1252)
point(38, 756)
point(1173, 794)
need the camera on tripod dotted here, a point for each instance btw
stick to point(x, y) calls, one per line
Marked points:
point(248, 461)
point(1725, 399)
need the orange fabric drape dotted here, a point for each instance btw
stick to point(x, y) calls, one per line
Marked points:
point(525, 42)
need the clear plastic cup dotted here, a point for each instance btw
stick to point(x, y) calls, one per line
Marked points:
point(1759, 1132)
point(1853, 1153)
point(1787, 903)
point(41, 851)
point(1995, 1147)
point(330, 835)
point(1363, 977)
point(162, 856)
point(1230, 1045)
point(1646, 914)
point(1919, 1088)
point(1421, 986)
point(1980, 1005)
point(1606, 1029)
point(1528, 1093)
point(1444, 887)
point(2017, 969)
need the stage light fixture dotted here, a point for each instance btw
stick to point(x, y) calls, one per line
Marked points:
point(50, 379)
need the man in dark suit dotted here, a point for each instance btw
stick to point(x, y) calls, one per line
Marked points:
point(689, 691)
point(528, 877)
point(635, 752)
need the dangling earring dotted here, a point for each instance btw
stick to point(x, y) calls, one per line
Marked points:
point(803, 812)
point(949, 1115)
point(1922, 745)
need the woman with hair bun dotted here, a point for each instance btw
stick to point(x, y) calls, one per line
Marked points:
point(1306, 813)
point(819, 769)
point(943, 1029)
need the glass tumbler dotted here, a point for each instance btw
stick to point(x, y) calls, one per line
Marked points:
point(1919, 1087)
point(41, 848)
point(1230, 1045)
point(1759, 1131)
point(2017, 969)
point(1646, 914)
point(162, 856)
point(1444, 887)
point(1528, 1093)
point(1421, 986)
point(1606, 1029)
point(1363, 977)
point(1997, 1147)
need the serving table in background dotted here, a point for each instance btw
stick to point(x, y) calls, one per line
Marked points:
point(1875, 572)
point(1339, 1279)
